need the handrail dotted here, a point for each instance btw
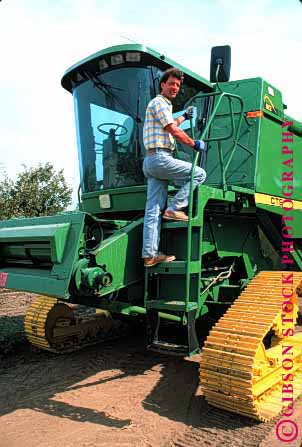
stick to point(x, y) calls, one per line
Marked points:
point(224, 169)
point(79, 195)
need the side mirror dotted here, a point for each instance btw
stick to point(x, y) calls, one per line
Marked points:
point(220, 56)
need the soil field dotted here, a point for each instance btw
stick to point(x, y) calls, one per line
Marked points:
point(116, 394)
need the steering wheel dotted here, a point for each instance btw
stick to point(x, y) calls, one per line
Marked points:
point(116, 127)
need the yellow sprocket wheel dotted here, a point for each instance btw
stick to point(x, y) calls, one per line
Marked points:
point(42, 317)
point(251, 361)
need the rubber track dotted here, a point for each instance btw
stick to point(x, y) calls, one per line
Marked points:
point(230, 357)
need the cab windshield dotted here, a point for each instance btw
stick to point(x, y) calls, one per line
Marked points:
point(110, 111)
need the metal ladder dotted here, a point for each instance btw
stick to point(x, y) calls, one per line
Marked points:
point(190, 304)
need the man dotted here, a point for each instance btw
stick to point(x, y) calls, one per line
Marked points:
point(160, 166)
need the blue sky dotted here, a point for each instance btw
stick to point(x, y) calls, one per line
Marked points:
point(40, 39)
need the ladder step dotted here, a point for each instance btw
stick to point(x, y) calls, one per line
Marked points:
point(169, 348)
point(171, 305)
point(175, 267)
point(195, 222)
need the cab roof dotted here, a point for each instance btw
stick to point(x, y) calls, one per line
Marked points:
point(126, 55)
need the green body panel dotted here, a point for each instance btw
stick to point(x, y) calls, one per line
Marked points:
point(121, 253)
point(258, 162)
point(295, 127)
point(38, 254)
point(241, 171)
point(120, 200)
point(51, 241)
point(269, 180)
point(295, 215)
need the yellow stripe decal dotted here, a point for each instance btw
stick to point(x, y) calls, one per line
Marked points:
point(266, 199)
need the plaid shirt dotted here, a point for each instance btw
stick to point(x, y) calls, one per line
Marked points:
point(158, 116)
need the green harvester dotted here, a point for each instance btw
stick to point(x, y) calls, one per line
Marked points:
point(224, 295)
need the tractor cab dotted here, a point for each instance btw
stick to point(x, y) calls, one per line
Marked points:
point(111, 92)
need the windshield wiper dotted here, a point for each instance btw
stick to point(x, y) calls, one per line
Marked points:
point(107, 90)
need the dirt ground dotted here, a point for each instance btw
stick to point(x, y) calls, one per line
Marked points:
point(116, 394)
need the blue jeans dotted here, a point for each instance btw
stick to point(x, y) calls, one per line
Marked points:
point(160, 168)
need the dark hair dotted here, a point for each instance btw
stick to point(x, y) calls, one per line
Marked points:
point(173, 72)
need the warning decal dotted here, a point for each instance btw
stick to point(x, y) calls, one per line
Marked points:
point(3, 279)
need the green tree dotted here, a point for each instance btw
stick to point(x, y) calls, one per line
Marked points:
point(6, 198)
point(39, 191)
